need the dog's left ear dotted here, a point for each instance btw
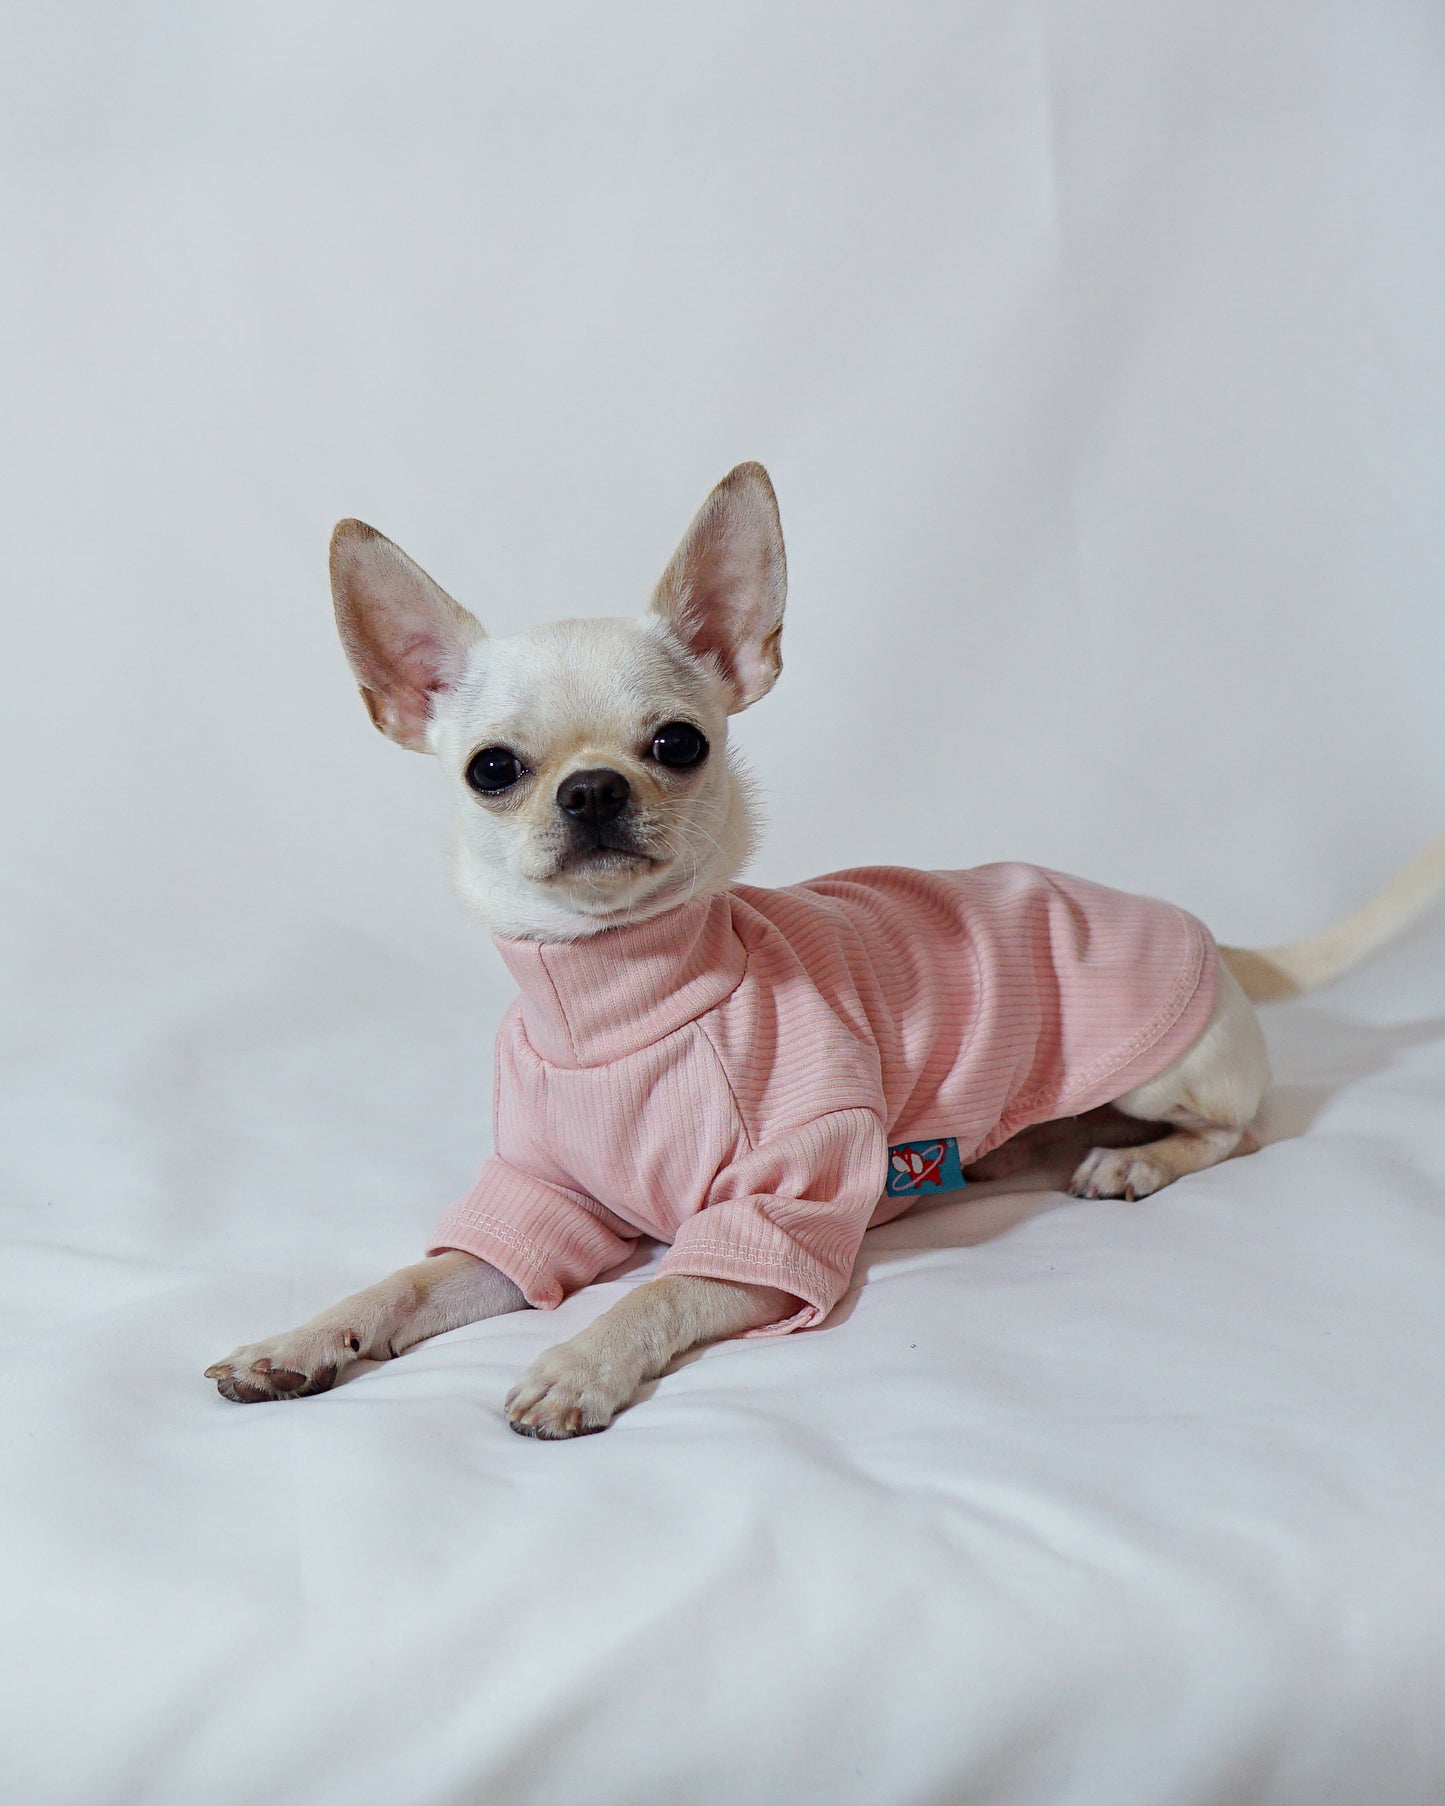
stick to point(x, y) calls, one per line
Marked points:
point(722, 594)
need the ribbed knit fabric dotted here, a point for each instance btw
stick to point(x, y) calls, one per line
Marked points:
point(727, 1077)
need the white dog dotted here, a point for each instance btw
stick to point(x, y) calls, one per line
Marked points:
point(601, 825)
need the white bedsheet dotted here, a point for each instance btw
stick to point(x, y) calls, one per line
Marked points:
point(1070, 1501)
point(1095, 352)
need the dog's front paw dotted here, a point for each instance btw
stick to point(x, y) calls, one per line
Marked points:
point(1129, 1173)
point(290, 1366)
point(568, 1392)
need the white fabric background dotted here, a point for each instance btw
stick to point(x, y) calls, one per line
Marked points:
point(1095, 351)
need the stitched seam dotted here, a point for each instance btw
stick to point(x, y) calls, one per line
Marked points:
point(507, 1234)
point(727, 1080)
point(1143, 1039)
point(557, 999)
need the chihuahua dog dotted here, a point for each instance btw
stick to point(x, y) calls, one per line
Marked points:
point(744, 1073)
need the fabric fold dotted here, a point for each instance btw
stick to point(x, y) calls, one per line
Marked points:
point(727, 1077)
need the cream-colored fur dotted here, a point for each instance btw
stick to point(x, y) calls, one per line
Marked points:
point(1211, 1093)
point(580, 698)
point(1267, 973)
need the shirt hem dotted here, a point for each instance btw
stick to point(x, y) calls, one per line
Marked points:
point(720, 1260)
point(504, 1247)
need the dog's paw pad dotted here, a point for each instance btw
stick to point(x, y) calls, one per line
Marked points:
point(293, 1366)
point(1127, 1173)
point(284, 1379)
point(558, 1426)
point(561, 1397)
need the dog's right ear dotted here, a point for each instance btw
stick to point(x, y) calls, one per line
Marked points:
point(404, 635)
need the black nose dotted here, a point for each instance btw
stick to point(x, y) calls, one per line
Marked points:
point(593, 795)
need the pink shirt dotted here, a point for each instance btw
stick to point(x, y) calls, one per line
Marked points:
point(728, 1077)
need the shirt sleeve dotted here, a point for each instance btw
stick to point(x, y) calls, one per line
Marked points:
point(790, 1214)
point(546, 1238)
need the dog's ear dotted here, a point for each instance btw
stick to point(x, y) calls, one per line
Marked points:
point(722, 595)
point(405, 637)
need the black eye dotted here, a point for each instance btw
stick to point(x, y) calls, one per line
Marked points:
point(493, 769)
point(679, 745)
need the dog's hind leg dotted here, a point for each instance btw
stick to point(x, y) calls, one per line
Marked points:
point(1210, 1095)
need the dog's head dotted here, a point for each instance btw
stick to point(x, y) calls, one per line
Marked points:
point(589, 758)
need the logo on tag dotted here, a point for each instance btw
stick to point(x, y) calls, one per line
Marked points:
point(915, 1167)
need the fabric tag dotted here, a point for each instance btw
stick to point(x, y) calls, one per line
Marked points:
point(915, 1167)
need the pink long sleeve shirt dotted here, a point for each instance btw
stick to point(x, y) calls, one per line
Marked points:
point(729, 1077)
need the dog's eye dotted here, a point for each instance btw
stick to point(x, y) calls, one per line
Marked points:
point(679, 745)
point(493, 769)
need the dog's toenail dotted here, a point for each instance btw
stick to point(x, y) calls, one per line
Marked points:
point(353, 1341)
point(261, 1366)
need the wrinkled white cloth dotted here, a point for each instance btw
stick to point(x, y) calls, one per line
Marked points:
point(1090, 1502)
point(1095, 354)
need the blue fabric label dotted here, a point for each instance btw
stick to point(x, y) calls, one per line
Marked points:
point(915, 1167)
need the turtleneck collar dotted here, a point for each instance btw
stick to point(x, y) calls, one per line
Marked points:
point(590, 1001)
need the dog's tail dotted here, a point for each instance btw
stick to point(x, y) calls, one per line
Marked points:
point(1266, 973)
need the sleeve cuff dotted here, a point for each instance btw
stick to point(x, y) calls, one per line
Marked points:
point(547, 1241)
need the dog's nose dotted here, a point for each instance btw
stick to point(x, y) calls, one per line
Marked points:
point(593, 795)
